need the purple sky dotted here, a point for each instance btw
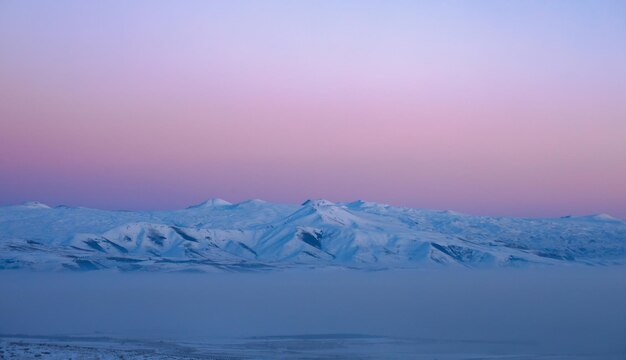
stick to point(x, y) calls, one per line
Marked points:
point(486, 107)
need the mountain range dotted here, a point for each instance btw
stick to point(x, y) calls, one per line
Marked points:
point(256, 235)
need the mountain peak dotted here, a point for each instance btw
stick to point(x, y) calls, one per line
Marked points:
point(603, 217)
point(35, 205)
point(317, 203)
point(253, 202)
point(594, 217)
point(361, 204)
point(323, 211)
point(214, 202)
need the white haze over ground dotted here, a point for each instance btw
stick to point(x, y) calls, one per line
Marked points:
point(550, 310)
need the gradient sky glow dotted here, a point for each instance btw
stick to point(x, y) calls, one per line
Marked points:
point(486, 107)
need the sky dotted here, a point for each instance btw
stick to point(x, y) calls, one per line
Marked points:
point(513, 108)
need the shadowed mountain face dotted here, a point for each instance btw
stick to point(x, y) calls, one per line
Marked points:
point(257, 235)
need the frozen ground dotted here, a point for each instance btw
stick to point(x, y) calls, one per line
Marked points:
point(331, 346)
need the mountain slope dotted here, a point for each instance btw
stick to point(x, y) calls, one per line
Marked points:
point(217, 235)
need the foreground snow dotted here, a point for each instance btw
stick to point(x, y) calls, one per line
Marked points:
point(256, 235)
point(323, 346)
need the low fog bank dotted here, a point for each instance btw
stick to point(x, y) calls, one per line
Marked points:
point(579, 310)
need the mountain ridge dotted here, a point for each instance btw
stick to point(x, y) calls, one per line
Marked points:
point(217, 202)
point(217, 235)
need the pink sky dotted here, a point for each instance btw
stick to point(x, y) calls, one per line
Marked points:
point(501, 108)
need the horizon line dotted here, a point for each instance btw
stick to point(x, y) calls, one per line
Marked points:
point(225, 203)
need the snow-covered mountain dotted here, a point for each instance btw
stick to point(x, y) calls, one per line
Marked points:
point(258, 235)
